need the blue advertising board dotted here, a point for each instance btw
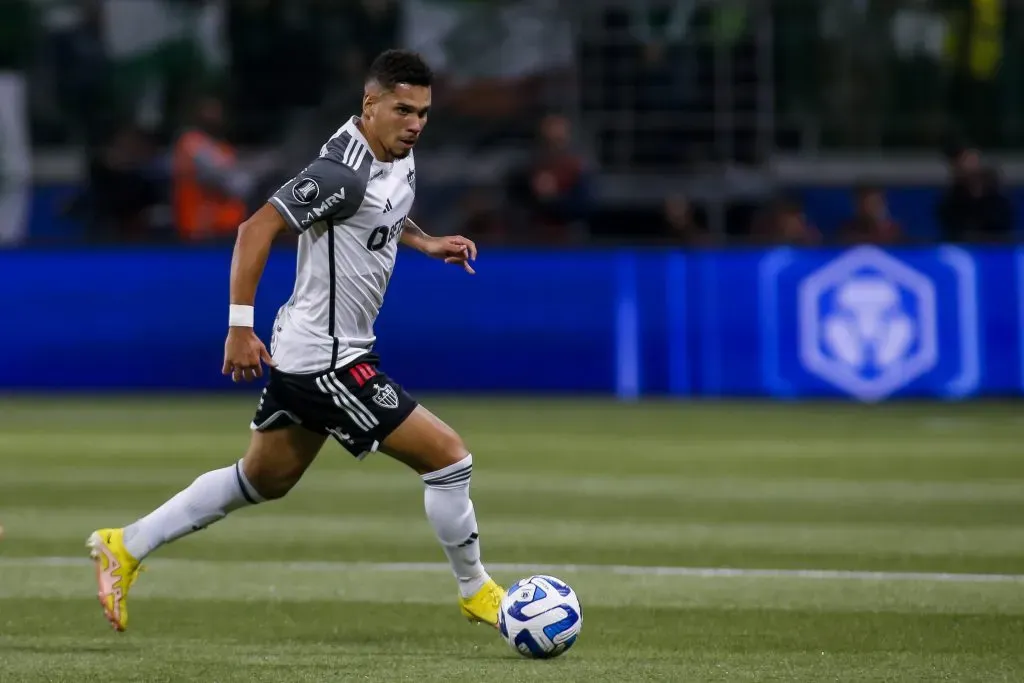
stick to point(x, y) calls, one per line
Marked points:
point(863, 323)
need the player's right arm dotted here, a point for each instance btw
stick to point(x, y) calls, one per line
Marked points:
point(244, 353)
point(330, 188)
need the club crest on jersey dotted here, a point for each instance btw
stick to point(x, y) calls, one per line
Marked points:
point(306, 191)
point(411, 178)
point(385, 396)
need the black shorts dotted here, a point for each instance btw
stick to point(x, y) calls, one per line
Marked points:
point(357, 404)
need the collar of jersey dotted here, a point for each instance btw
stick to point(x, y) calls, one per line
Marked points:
point(358, 134)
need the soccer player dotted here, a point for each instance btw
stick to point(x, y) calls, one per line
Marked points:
point(350, 208)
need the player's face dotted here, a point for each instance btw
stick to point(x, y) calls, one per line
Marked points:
point(400, 117)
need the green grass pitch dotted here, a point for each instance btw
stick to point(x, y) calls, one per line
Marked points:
point(914, 513)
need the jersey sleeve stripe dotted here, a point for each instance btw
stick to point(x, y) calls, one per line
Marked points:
point(362, 155)
point(350, 158)
point(354, 154)
point(286, 212)
point(348, 149)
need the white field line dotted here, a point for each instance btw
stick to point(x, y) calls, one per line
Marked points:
point(526, 569)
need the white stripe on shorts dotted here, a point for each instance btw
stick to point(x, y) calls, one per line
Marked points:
point(357, 418)
point(349, 398)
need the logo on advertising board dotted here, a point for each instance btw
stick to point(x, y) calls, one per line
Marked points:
point(870, 324)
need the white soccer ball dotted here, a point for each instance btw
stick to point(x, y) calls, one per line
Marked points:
point(540, 617)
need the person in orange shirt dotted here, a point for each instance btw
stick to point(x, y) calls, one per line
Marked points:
point(209, 187)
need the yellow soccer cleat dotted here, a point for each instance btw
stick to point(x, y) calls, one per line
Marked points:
point(483, 606)
point(116, 570)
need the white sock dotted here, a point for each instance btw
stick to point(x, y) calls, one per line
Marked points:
point(450, 511)
point(210, 498)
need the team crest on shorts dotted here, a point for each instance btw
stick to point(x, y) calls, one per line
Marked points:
point(385, 396)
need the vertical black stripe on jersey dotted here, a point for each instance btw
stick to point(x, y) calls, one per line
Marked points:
point(333, 294)
point(337, 149)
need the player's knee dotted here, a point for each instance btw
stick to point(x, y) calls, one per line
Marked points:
point(449, 448)
point(275, 486)
point(425, 443)
point(271, 481)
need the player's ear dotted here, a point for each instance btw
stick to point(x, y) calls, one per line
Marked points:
point(372, 96)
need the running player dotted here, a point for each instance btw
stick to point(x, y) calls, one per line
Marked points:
point(350, 207)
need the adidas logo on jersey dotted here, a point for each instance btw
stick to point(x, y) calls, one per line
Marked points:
point(387, 206)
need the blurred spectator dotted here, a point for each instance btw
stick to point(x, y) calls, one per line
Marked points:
point(125, 184)
point(555, 186)
point(481, 217)
point(871, 223)
point(666, 85)
point(682, 224)
point(209, 185)
point(974, 208)
point(784, 222)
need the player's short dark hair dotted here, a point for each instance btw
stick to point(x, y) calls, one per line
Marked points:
point(392, 67)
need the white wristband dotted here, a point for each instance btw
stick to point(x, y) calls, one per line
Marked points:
point(240, 315)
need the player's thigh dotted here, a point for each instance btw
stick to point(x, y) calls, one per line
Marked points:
point(382, 416)
point(286, 434)
point(356, 405)
point(277, 458)
point(424, 442)
point(365, 411)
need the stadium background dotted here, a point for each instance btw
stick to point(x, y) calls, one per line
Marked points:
point(735, 203)
point(631, 170)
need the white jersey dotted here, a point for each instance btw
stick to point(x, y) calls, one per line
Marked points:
point(350, 210)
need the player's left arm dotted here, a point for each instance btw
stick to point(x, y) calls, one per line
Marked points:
point(452, 248)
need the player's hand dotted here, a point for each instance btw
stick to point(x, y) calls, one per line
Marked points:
point(455, 249)
point(244, 355)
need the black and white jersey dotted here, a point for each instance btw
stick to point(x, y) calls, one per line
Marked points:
point(349, 209)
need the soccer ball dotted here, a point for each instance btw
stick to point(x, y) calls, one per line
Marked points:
point(540, 617)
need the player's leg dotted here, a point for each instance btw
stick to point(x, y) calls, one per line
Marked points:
point(366, 411)
point(273, 463)
point(437, 453)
